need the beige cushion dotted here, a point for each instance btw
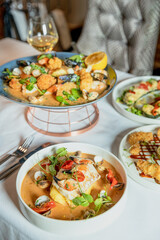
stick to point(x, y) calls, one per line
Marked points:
point(127, 30)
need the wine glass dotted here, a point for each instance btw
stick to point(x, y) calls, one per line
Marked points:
point(42, 33)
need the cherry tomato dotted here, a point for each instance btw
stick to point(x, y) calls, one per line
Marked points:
point(46, 207)
point(67, 165)
point(78, 176)
point(143, 86)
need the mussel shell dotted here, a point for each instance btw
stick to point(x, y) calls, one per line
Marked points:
point(99, 76)
point(147, 98)
point(78, 153)
point(39, 175)
point(23, 63)
point(67, 171)
point(44, 184)
point(47, 213)
point(56, 179)
point(41, 200)
point(69, 78)
point(119, 185)
point(71, 63)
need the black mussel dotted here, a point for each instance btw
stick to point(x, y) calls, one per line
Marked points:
point(71, 158)
point(5, 78)
point(72, 63)
point(56, 179)
point(23, 63)
point(67, 171)
point(99, 76)
point(69, 78)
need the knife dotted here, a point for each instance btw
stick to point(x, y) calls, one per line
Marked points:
point(15, 166)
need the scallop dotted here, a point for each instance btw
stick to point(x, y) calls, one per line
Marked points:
point(16, 71)
point(41, 200)
point(39, 175)
point(36, 73)
point(27, 70)
point(70, 71)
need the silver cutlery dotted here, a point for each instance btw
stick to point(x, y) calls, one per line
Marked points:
point(15, 166)
point(21, 150)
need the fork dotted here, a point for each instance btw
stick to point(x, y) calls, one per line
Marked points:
point(21, 150)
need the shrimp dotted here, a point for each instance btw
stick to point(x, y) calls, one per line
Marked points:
point(14, 83)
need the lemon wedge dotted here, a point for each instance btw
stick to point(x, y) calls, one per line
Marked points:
point(97, 60)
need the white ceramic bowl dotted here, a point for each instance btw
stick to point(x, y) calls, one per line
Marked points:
point(64, 226)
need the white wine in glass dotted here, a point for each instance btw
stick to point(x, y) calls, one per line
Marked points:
point(42, 34)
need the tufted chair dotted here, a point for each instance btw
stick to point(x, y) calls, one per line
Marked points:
point(127, 30)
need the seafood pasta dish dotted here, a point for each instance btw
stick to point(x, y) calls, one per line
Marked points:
point(51, 81)
point(72, 186)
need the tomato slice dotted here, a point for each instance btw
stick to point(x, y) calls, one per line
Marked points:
point(46, 207)
point(67, 165)
point(110, 175)
point(78, 176)
point(143, 86)
point(130, 91)
point(111, 179)
point(149, 84)
point(154, 111)
point(114, 182)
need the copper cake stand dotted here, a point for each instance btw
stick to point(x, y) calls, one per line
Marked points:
point(63, 123)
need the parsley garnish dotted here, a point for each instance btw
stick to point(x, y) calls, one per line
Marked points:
point(45, 55)
point(84, 200)
point(62, 100)
point(42, 69)
point(100, 201)
point(7, 71)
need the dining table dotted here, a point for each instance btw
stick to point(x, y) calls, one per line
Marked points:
point(140, 217)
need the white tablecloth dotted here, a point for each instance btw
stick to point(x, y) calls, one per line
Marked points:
point(140, 218)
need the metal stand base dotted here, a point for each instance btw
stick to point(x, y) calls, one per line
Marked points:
point(63, 123)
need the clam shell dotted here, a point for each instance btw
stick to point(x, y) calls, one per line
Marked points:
point(39, 175)
point(41, 200)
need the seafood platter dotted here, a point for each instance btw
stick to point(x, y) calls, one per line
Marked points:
point(57, 80)
point(139, 99)
point(74, 185)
